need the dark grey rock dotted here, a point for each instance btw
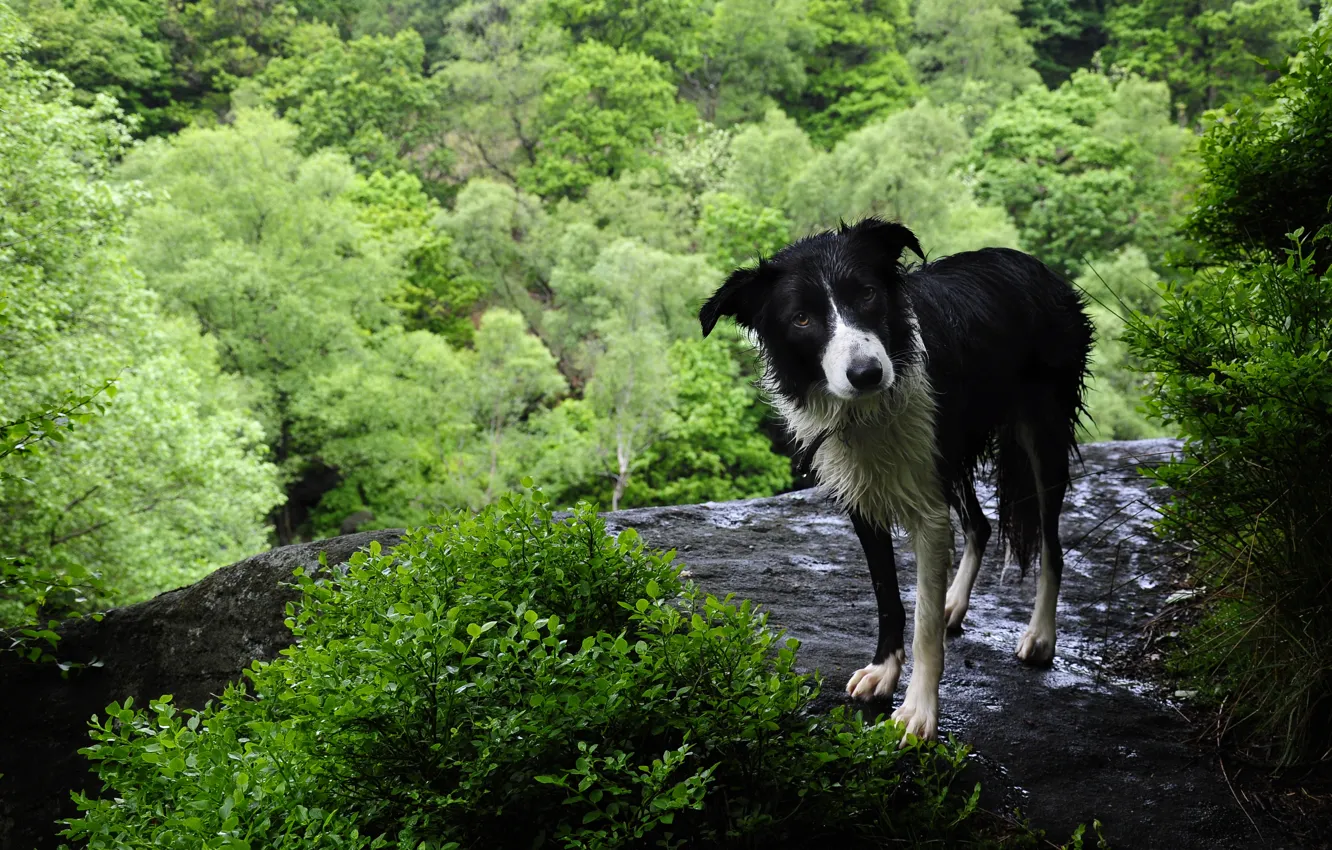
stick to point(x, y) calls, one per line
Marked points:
point(189, 643)
point(1065, 744)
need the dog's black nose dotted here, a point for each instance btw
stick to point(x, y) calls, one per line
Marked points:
point(864, 374)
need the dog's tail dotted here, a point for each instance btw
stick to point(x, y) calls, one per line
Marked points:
point(1019, 508)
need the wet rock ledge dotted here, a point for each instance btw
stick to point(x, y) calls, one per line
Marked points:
point(1065, 744)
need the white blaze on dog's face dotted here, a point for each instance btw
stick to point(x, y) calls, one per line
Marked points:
point(855, 361)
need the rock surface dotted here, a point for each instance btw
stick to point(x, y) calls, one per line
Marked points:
point(189, 643)
point(1066, 744)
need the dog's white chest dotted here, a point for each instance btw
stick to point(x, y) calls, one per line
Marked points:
point(879, 460)
point(884, 470)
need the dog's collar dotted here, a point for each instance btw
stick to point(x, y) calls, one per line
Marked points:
point(805, 461)
point(805, 457)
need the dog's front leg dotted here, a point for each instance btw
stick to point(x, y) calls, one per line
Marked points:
point(879, 679)
point(932, 538)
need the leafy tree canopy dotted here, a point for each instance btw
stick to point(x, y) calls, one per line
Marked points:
point(1268, 171)
point(596, 117)
point(855, 70)
point(972, 54)
point(368, 97)
point(1086, 169)
point(438, 293)
point(264, 249)
point(919, 183)
point(715, 448)
point(1208, 51)
point(170, 479)
point(1065, 34)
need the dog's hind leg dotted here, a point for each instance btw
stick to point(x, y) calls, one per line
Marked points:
point(879, 679)
point(976, 531)
point(1048, 450)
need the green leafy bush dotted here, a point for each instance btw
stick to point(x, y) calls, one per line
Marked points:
point(1268, 169)
point(1241, 356)
point(1242, 363)
point(512, 679)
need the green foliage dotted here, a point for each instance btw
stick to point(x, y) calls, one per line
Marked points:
point(511, 663)
point(624, 286)
point(52, 424)
point(733, 232)
point(100, 502)
point(34, 590)
point(763, 160)
point(616, 321)
point(1269, 170)
point(367, 97)
point(1242, 363)
point(633, 396)
point(111, 49)
point(263, 247)
point(1241, 355)
point(1209, 52)
point(502, 59)
point(919, 183)
point(437, 293)
point(430, 19)
point(729, 57)
point(595, 118)
point(654, 27)
point(415, 426)
point(1118, 292)
point(495, 229)
point(714, 449)
point(972, 54)
point(1086, 169)
point(1065, 33)
point(745, 53)
point(513, 372)
point(640, 205)
point(391, 419)
point(167, 63)
point(855, 72)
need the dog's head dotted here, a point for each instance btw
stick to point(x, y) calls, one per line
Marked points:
point(828, 311)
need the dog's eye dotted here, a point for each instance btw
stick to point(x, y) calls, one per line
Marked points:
point(800, 320)
point(867, 294)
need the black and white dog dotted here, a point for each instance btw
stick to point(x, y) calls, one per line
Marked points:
point(898, 384)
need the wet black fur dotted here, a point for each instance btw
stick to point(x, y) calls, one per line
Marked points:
point(1006, 343)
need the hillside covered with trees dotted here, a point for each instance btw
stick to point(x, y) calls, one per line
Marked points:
point(271, 269)
point(274, 270)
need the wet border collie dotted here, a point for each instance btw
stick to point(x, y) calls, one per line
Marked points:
point(899, 385)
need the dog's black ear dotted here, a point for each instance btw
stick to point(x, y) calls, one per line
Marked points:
point(887, 236)
point(735, 297)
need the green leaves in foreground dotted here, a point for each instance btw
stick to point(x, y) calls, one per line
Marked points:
point(516, 680)
point(1242, 362)
point(1241, 355)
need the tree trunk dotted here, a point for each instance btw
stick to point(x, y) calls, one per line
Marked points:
point(623, 454)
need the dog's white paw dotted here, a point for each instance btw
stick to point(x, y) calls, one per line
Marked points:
point(877, 680)
point(955, 609)
point(1036, 646)
point(919, 712)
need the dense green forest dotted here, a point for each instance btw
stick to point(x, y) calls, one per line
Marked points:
point(272, 269)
